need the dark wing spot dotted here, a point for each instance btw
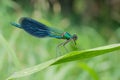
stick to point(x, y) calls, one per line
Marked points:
point(34, 28)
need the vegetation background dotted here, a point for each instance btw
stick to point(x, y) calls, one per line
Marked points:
point(96, 22)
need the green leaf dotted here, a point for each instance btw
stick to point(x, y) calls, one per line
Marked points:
point(72, 56)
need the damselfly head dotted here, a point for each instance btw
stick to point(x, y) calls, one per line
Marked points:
point(74, 37)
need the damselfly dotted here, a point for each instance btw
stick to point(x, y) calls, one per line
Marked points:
point(40, 30)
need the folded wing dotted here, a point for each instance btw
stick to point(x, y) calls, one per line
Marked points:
point(34, 28)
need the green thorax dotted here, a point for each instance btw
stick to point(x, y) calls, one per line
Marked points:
point(66, 35)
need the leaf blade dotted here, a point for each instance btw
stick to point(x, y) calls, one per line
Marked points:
point(72, 56)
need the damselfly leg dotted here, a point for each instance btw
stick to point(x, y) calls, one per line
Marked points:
point(58, 53)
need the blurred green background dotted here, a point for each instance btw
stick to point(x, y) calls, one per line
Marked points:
point(96, 22)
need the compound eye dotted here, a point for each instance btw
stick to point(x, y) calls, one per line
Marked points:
point(75, 37)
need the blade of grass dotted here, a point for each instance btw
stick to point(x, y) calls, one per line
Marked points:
point(89, 70)
point(72, 56)
point(10, 51)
